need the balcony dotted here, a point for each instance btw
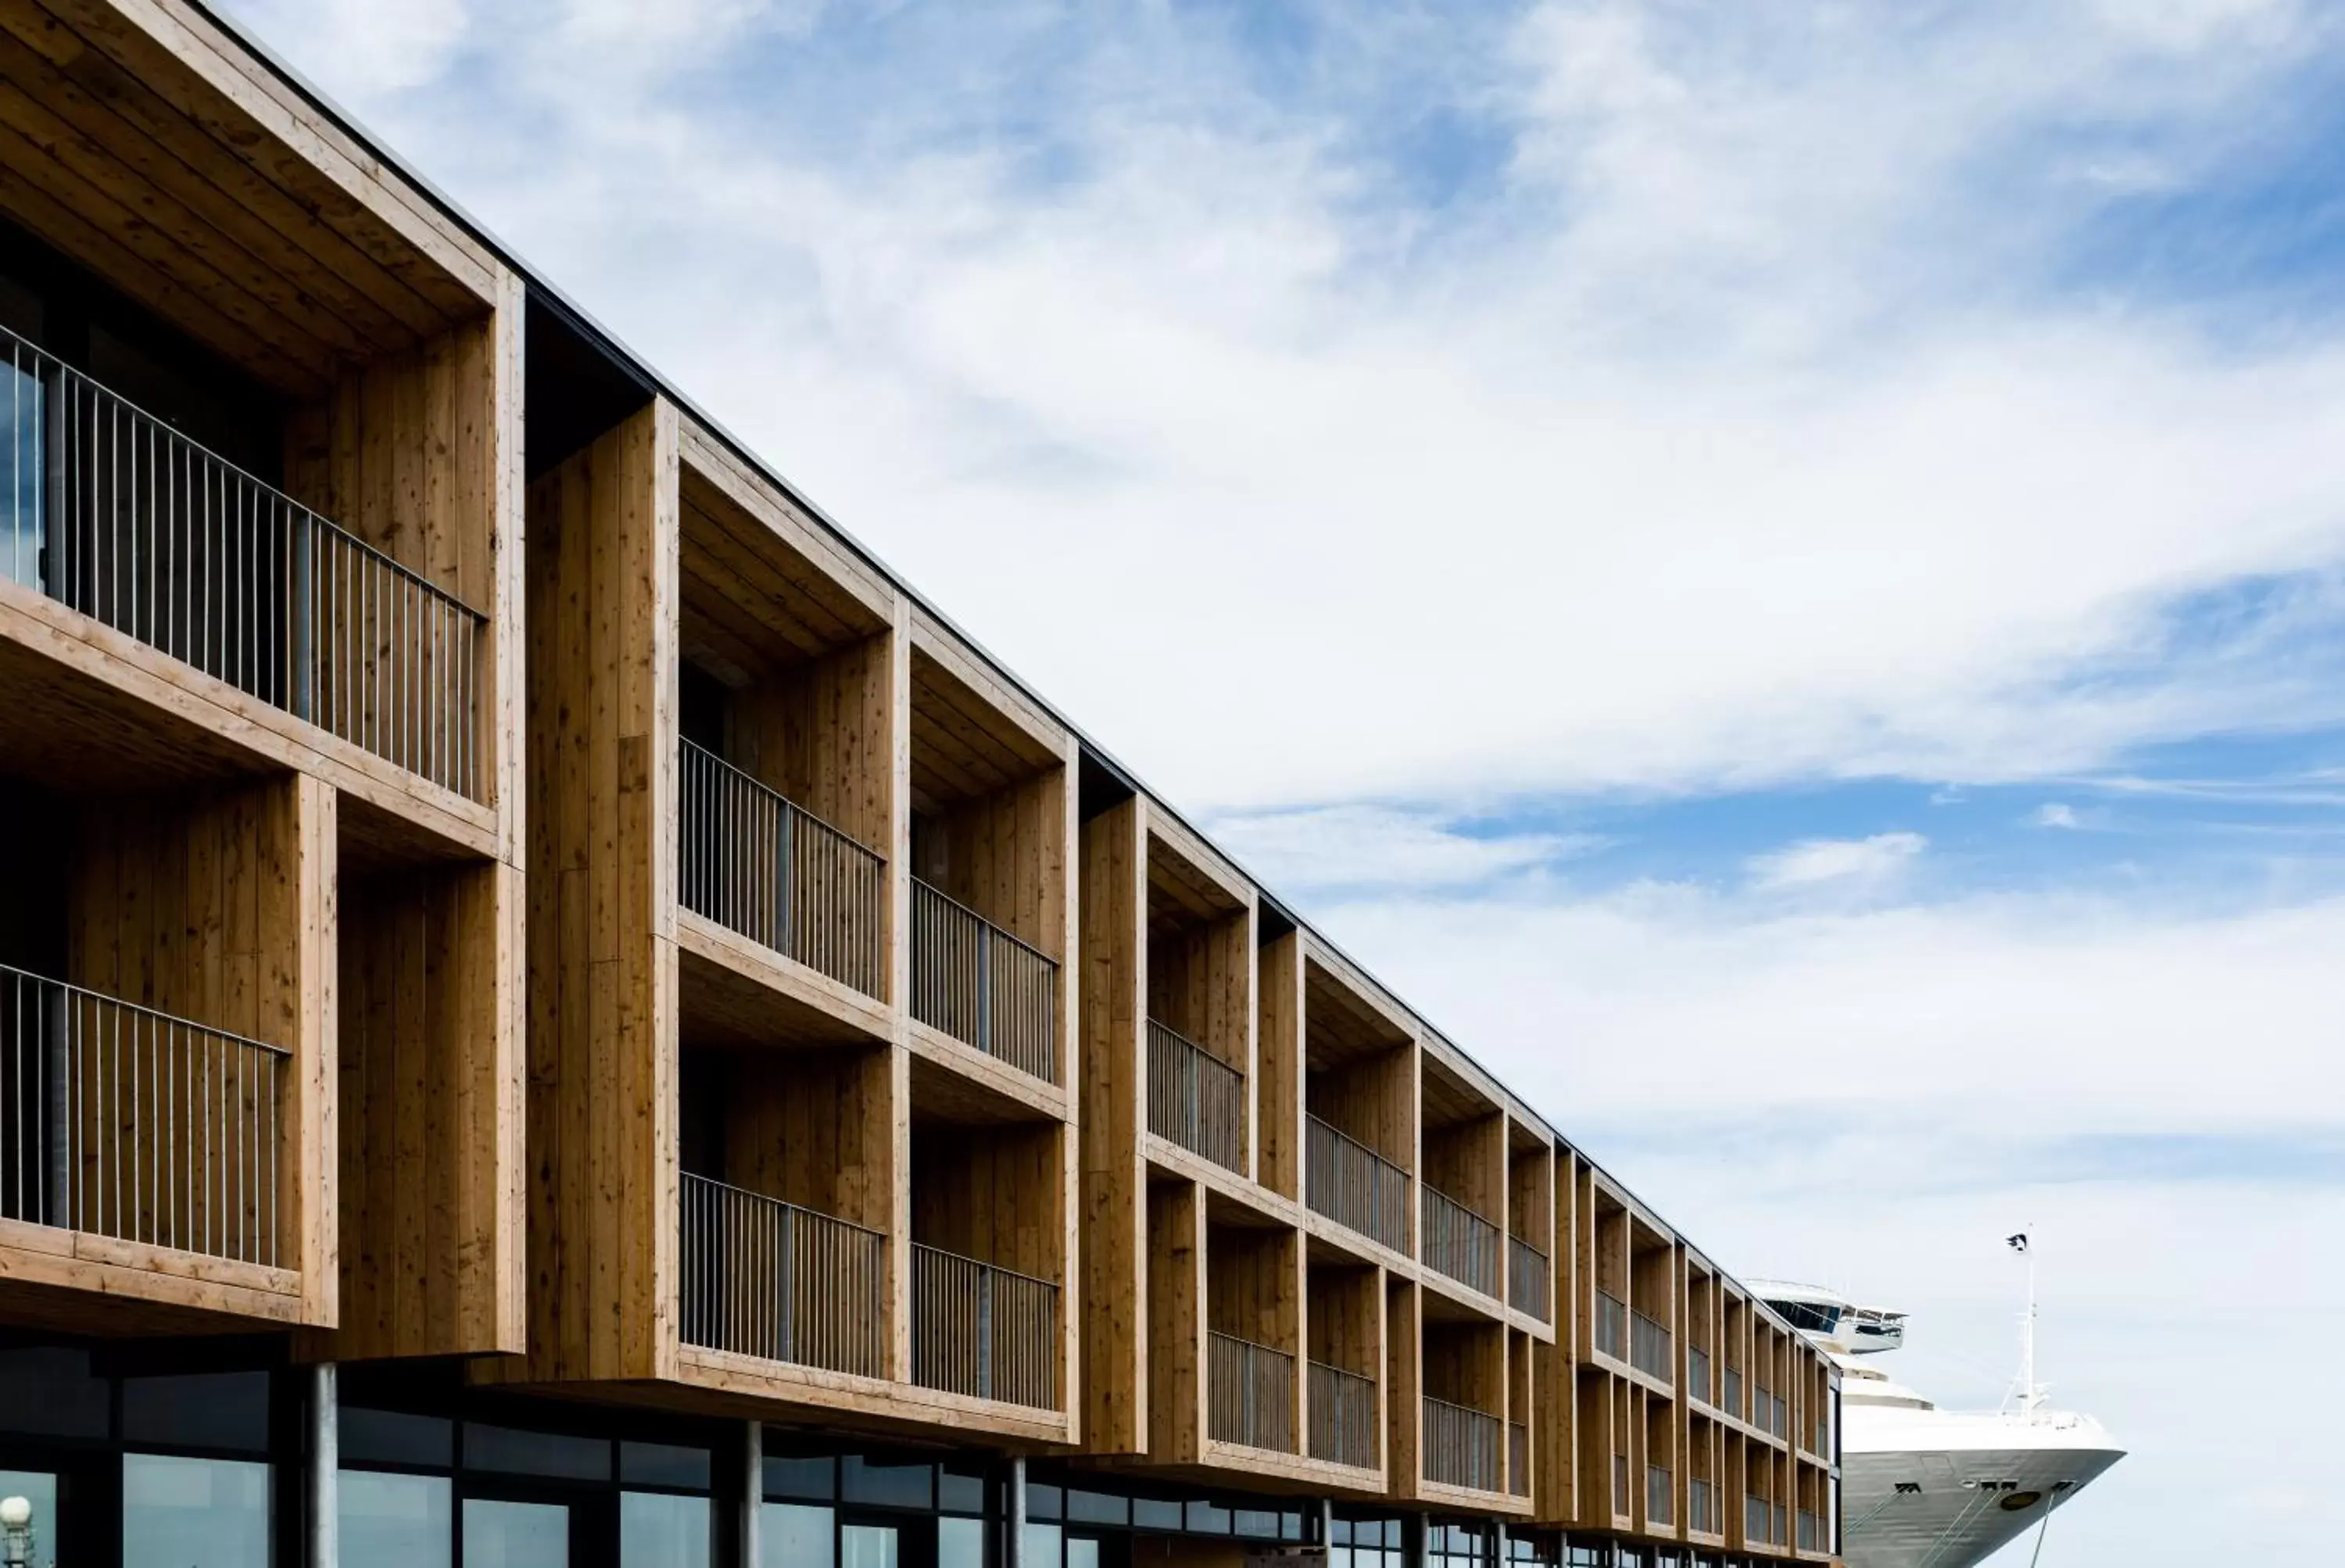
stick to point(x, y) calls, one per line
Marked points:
point(1820, 1439)
point(1757, 1528)
point(1529, 1280)
point(1732, 1398)
point(983, 1330)
point(755, 863)
point(1518, 1459)
point(1702, 1508)
point(113, 512)
point(1698, 1384)
point(1344, 1417)
point(766, 1278)
point(1611, 1326)
point(1620, 1485)
point(1649, 1346)
point(1768, 1414)
point(1250, 1393)
point(1460, 1243)
point(1461, 1445)
point(122, 1122)
point(977, 983)
point(1661, 1508)
point(1195, 1099)
point(1810, 1532)
point(1353, 1185)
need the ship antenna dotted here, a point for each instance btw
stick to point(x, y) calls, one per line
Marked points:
point(2029, 1395)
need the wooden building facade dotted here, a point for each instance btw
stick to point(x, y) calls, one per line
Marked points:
point(552, 1011)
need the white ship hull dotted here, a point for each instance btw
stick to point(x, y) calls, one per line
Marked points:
point(1937, 1489)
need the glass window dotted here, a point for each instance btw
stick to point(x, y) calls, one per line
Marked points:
point(1041, 1545)
point(41, 1492)
point(788, 1475)
point(868, 1546)
point(958, 1492)
point(1082, 1551)
point(516, 1534)
point(1205, 1519)
point(1096, 1507)
point(194, 1512)
point(517, 1452)
point(887, 1485)
point(961, 1544)
point(793, 1535)
point(1155, 1513)
point(1044, 1501)
point(209, 1409)
point(395, 1521)
point(394, 1437)
point(53, 1392)
point(660, 1530)
point(1257, 1521)
point(664, 1464)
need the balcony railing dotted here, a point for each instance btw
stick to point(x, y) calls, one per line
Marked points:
point(1697, 1374)
point(766, 1278)
point(1461, 1445)
point(1460, 1243)
point(1353, 1185)
point(1648, 1345)
point(981, 985)
point(1194, 1098)
point(1611, 1326)
point(1768, 1414)
point(113, 512)
point(1808, 1532)
point(119, 1121)
point(752, 862)
point(1518, 1459)
point(1820, 1440)
point(1660, 1505)
point(984, 1330)
point(1344, 1417)
point(1756, 1529)
point(1620, 1485)
point(1529, 1280)
point(1702, 1507)
point(1250, 1393)
point(1732, 1398)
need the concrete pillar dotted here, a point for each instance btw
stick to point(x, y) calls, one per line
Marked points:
point(325, 1467)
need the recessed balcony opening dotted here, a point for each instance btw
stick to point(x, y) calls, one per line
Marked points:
point(1661, 1477)
point(1530, 1222)
point(1703, 1447)
point(1358, 1131)
point(1701, 1336)
point(989, 1249)
point(307, 519)
point(1737, 1317)
point(148, 1005)
point(1200, 1010)
point(1464, 1180)
point(1652, 1302)
point(1609, 1332)
point(783, 779)
point(1465, 1398)
point(1344, 1353)
point(1251, 1316)
point(988, 875)
point(786, 1164)
point(1519, 1407)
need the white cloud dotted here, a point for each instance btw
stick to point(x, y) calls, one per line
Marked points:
point(2055, 814)
point(1379, 846)
point(1865, 863)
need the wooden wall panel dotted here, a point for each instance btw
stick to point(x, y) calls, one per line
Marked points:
point(820, 733)
point(1278, 1091)
point(1003, 854)
point(1201, 984)
point(1176, 1322)
point(1403, 1386)
point(429, 1111)
point(812, 1128)
point(601, 950)
point(1115, 1214)
point(991, 1194)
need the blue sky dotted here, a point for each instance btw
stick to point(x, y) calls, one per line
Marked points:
point(1778, 570)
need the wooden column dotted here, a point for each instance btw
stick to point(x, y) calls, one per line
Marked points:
point(1115, 1262)
point(1176, 1322)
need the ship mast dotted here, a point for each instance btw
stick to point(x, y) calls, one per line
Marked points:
point(2030, 1396)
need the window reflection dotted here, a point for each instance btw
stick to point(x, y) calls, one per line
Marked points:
point(656, 1531)
point(194, 1512)
point(867, 1546)
point(516, 1534)
point(793, 1535)
point(395, 1521)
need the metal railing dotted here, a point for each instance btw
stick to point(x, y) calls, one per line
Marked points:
point(1648, 1345)
point(1809, 1534)
point(1702, 1507)
point(1660, 1503)
point(1353, 1185)
point(1820, 1439)
point(1620, 1484)
point(119, 1121)
point(1768, 1414)
point(1461, 1445)
point(1344, 1416)
point(1518, 1459)
point(767, 1279)
point(981, 985)
point(1755, 1520)
point(1529, 1280)
point(1250, 1393)
point(1730, 1380)
point(981, 1329)
point(1611, 1326)
point(1460, 1243)
point(113, 512)
point(754, 863)
point(1194, 1098)
point(1698, 1383)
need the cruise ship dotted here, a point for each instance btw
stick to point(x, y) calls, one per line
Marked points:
point(1926, 1488)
